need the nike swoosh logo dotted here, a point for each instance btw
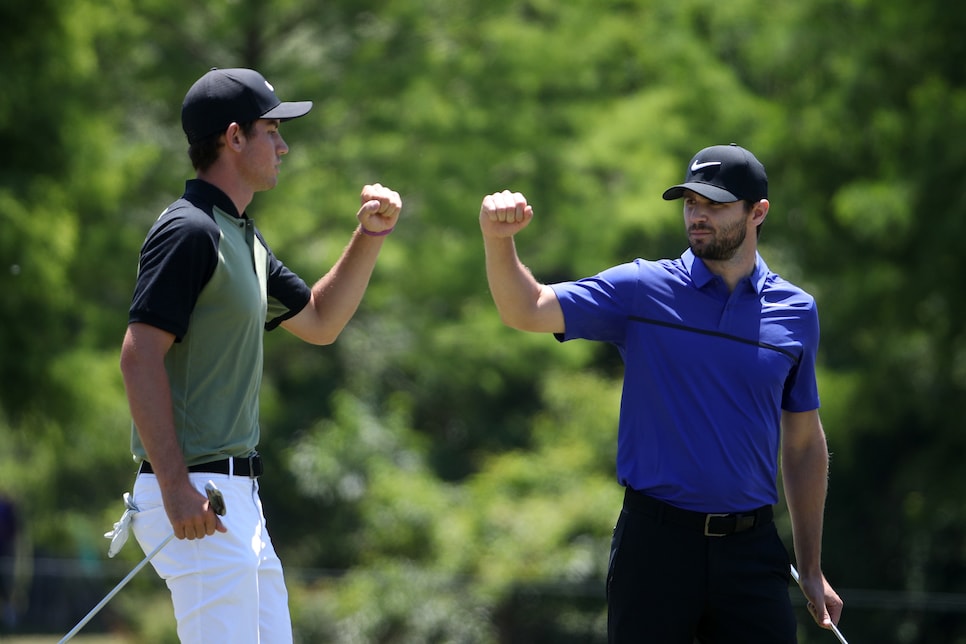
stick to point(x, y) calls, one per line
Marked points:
point(697, 166)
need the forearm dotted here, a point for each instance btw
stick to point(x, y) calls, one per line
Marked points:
point(805, 479)
point(337, 295)
point(149, 399)
point(520, 299)
point(150, 403)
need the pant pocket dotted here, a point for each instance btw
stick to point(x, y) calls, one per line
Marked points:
point(615, 544)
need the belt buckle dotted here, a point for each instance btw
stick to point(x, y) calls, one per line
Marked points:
point(707, 526)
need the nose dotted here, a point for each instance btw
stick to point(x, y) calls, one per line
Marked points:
point(282, 146)
point(695, 212)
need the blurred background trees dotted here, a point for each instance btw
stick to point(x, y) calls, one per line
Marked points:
point(435, 476)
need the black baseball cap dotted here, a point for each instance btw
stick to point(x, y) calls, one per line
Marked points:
point(723, 173)
point(225, 96)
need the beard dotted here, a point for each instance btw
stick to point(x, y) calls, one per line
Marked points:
point(721, 245)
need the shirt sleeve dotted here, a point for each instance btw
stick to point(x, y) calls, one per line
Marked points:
point(177, 259)
point(597, 308)
point(801, 386)
point(287, 292)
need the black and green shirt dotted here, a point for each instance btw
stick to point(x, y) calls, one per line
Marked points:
point(207, 276)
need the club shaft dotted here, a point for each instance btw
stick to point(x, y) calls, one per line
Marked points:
point(117, 588)
point(835, 629)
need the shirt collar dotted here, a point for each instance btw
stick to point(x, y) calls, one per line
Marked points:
point(701, 275)
point(199, 191)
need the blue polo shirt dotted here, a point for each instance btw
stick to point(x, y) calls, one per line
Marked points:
point(707, 374)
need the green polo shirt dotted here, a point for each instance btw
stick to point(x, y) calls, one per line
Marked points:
point(207, 276)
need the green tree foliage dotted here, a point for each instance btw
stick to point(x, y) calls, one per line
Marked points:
point(879, 152)
point(435, 476)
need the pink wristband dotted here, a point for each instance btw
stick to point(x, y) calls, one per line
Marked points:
point(381, 233)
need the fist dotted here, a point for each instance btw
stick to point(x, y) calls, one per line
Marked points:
point(380, 208)
point(503, 214)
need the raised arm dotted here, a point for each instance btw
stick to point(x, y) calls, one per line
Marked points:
point(336, 296)
point(522, 301)
point(805, 478)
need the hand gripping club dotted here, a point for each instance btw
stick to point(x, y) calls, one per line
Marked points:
point(215, 500)
point(835, 629)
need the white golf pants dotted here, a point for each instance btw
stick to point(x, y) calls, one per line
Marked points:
point(227, 587)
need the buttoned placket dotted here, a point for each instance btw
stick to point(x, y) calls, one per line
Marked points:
point(731, 311)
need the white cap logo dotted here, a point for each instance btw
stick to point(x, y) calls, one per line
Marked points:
point(697, 166)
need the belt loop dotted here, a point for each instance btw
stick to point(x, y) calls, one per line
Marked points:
point(231, 467)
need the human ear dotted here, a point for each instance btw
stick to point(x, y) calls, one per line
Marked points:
point(760, 211)
point(234, 136)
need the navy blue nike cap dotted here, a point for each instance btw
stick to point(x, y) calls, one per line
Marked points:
point(225, 96)
point(723, 173)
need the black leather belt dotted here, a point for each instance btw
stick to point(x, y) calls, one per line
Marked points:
point(250, 466)
point(709, 524)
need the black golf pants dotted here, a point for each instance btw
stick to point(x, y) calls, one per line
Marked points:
point(669, 584)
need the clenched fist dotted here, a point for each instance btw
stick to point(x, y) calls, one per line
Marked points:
point(380, 209)
point(504, 214)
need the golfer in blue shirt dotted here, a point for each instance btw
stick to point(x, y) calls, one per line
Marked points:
point(719, 356)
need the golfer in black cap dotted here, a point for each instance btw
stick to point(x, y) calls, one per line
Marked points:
point(719, 356)
point(208, 287)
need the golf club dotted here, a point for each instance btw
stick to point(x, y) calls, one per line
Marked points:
point(835, 628)
point(215, 500)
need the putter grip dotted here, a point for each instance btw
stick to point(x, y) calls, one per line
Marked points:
point(215, 499)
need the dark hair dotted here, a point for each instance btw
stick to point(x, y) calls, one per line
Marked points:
point(204, 153)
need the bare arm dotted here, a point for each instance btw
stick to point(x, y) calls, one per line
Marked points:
point(805, 478)
point(337, 295)
point(522, 301)
point(149, 397)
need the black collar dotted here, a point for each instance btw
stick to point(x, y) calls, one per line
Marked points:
point(204, 195)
